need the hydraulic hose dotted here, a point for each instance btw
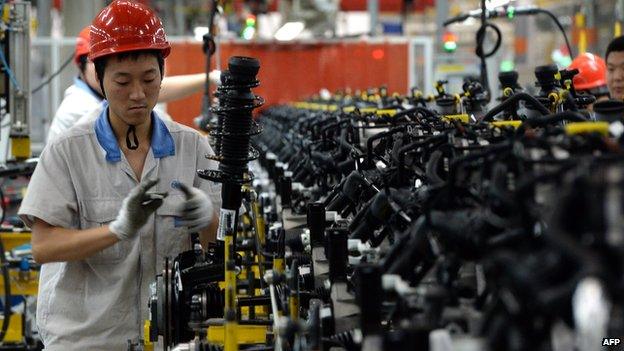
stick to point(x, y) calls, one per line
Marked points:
point(551, 119)
point(424, 111)
point(513, 99)
point(554, 118)
point(480, 38)
point(431, 168)
point(565, 37)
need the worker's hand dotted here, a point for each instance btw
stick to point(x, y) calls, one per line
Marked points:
point(135, 210)
point(197, 211)
point(215, 77)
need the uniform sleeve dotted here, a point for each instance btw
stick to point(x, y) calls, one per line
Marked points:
point(211, 188)
point(50, 195)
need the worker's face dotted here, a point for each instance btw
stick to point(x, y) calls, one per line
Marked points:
point(615, 74)
point(90, 77)
point(132, 87)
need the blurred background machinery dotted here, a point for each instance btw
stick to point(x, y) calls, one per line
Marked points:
point(18, 285)
point(427, 175)
point(361, 43)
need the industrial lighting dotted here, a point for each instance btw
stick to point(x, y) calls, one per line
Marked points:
point(200, 32)
point(449, 40)
point(492, 4)
point(248, 33)
point(378, 54)
point(289, 31)
point(250, 28)
point(506, 66)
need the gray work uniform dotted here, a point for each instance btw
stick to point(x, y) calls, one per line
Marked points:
point(80, 182)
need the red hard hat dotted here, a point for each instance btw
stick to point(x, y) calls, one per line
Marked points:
point(592, 72)
point(82, 44)
point(126, 26)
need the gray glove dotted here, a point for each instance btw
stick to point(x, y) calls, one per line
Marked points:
point(135, 210)
point(197, 211)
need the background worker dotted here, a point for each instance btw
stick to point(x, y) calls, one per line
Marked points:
point(115, 194)
point(615, 67)
point(592, 76)
point(85, 94)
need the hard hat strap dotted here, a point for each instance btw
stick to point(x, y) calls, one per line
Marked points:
point(129, 144)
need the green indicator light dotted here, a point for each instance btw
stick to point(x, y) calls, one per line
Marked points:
point(506, 66)
point(450, 46)
point(248, 33)
point(511, 12)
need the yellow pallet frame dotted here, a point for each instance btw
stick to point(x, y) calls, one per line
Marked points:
point(15, 332)
point(20, 285)
point(11, 240)
point(245, 334)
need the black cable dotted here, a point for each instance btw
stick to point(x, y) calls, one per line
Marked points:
point(480, 37)
point(5, 275)
point(425, 111)
point(459, 18)
point(485, 25)
point(209, 48)
point(513, 99)
point(551, 119)
point(554, 18)
point(49, 79)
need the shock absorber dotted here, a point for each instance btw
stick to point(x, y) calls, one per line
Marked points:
point(233, 132)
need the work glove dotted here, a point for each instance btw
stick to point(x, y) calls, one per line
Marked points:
point(197, 211)
point(135, 210)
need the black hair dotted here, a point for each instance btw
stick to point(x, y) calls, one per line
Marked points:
point(82, 63)
point(100, 62)
point(617, 44)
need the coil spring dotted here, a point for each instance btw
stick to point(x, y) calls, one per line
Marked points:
point(347, 339)
point(323, 293)
point(302, 258)
point(307, 281)
point(235, 124)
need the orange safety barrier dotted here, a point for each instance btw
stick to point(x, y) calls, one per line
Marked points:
point(296, 70)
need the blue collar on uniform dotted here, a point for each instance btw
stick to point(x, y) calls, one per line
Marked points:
point(162, 141)
point(82, 85)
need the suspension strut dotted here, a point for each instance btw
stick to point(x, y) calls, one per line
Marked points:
point(233, 132)
point(232, 135)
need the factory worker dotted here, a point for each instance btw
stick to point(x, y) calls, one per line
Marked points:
point(615, 67)
point(592, 76)
point(115, 194)
point(85, 94)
